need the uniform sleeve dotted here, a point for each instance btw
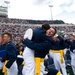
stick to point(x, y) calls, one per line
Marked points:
point(68, 43)
point(37, 46)
point(61, 40)
point(44, 36)
point(12, 53)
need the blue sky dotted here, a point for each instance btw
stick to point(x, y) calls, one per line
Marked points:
point(40, 10)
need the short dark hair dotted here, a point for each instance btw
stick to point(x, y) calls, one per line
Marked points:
point(46, 26)
point(9, 34)
point(55, 30)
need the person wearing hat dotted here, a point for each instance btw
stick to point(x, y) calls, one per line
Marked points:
point(42, 45)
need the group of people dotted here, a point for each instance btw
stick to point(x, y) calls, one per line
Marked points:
point(26, 21)
point(30, 54)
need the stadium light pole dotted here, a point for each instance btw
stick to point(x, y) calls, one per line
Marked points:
point(7, 3)
point(51, 11)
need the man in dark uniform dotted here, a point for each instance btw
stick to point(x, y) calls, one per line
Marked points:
point(41, 45)
point(57, 53)
point(11, 55)
point(39, 35)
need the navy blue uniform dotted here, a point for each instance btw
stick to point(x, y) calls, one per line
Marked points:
point(41, 44)
point(60, 44)
point(3, 47)
point(39, 35)
point(71, 44)
point(11, 54)
point(57, 52)
point(41, 49)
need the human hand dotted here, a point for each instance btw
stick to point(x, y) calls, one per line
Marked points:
point(25, 36)
point(0, 58)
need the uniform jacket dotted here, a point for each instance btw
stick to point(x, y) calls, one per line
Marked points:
point(41, 49)
point(71, 44)
point(60, 44)
point(40, 42)
point(39, 35)
point(11, 54)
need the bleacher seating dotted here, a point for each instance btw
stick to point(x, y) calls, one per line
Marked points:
point(18, 26)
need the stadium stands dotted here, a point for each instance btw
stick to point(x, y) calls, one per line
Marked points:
point(25, 21)
point(18, 26)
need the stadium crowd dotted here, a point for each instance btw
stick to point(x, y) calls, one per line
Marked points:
point(25, 21)
point(66, 28)
point(19, 30)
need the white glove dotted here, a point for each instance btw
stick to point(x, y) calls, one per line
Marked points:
point(19, 56)
point(25, 36)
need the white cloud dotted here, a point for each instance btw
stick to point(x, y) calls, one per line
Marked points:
point(40, 10)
